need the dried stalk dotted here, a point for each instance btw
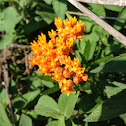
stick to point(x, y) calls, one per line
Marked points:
point(110, 18)
point(106, 2)
point(19, 46)
point(5, 67)
point(99, 21)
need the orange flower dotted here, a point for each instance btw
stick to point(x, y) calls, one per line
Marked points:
point(66, 73)
point(77, 79)
point(53, 58)
point(69, 83)
point(59, 69)
point(85, 77)
point(67, 87)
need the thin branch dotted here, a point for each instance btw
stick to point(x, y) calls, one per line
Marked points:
point(18, 46)
point(5, 67)
point(99, 21)
point(106, 2)
point(110, 18)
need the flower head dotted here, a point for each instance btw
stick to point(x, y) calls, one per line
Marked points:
point(53, 58)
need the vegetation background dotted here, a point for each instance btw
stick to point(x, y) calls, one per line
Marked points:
point(28, 98)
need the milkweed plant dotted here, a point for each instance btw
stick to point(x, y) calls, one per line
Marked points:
point(72, 74)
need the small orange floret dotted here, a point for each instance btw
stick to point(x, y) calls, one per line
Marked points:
point(77, 79)
point(85, 77)
point(58, 22)
point(59, 69)
point(67, 89)
point(69, 83)
point(66, 73)
point(52, 34)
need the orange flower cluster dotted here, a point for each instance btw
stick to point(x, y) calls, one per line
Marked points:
point(53, 58)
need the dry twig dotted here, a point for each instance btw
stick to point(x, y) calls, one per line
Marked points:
point(82, 14)
point(106, 2)
point(5, 72)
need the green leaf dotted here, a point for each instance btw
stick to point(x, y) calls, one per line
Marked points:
point(44, 7)
point(33, 26)
point(12, 87)
point(35, 116)
point(25, 120)
point(36, 83)
point(53, 123)
point(2, 28)
point(88, 25)
point(57, 123)
point(77, 53)
point(123, 116)
point(86, 103)
point(100, 32)
point(73, 124)
point(120, 23)
point(6, 40)
point(60, 7)
point(47, 106)
point(32, 114)
point(23, 3)
point(47, 78)
point(93, 38)
point(51, 90)
point(4, 121)
point(103, 59)
point(87, 22)
point(68, 15)
point(113, 88)
point(67, 103)
point(113, 8)
point(116, 64)
point(47, 83)
point(3, 96)
point(10, 18)
point(105, 40)
point(82, 45)
point(7, 0)
point(47, 16)
point(98, 9)
point(22, 101)
point(87, 50)
point(112, 48)
point(48, 1)
point(109, 109)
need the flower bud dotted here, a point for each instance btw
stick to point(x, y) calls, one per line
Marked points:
point(85, 77)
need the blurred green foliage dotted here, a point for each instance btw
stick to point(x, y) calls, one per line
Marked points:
point(36, 99)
